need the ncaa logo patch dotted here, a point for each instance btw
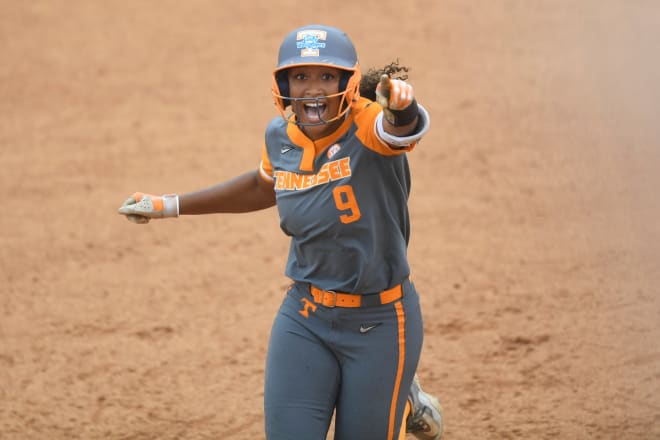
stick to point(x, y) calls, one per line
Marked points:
point(333, 150)
point(310, 41)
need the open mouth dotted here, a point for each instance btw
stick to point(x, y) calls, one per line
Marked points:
point(314, 111)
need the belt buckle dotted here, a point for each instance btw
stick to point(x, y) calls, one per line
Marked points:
point(329, 294)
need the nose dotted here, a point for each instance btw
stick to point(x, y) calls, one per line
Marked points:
point(316, 86)
point(314, 89)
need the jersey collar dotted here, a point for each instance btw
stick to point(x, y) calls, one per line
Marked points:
point(311, 148)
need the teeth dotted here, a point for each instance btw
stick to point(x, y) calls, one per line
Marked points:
point(314, 104)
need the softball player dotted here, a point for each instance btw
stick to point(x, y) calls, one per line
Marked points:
point(348, 335)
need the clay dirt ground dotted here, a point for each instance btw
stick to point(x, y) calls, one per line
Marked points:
point(535, 208)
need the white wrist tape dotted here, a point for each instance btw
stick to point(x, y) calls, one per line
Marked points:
point(422, 128)
point(170, 205)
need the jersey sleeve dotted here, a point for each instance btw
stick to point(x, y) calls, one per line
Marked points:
point(265, 167)
point(370, 131)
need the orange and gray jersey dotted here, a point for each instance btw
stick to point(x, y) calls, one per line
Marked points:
point(343, 201)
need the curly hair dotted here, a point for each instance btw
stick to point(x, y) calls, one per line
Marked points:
point(371, 79)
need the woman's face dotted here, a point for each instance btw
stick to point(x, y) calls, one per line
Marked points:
point(314, 84)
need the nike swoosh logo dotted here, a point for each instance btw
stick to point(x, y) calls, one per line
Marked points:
point(366, 328)
point(285, 150)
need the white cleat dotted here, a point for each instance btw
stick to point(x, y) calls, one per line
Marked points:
point(425, 418)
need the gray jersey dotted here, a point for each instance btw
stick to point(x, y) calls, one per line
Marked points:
point(343, 201)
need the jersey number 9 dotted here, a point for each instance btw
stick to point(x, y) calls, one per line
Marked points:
point(345, 201)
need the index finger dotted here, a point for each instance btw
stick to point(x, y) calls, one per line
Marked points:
point(385, 81)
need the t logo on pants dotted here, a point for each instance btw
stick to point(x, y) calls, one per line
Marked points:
point(307, 305)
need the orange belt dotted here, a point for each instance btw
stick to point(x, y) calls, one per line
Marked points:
point(337, 299)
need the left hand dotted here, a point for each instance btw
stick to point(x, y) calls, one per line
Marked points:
point(394, 94)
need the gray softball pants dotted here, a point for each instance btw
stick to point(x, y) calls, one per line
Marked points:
point(356, 362)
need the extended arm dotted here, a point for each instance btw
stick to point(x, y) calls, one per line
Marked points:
point(244, 193)
point(403, 121)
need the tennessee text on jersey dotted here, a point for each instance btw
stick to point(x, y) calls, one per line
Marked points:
point(331, 171)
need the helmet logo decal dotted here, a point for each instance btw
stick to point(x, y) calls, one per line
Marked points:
point(310, 41)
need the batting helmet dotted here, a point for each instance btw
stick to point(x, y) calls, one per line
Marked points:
point(317, 45)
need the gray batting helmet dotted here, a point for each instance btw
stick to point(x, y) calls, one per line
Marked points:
point(317, 45)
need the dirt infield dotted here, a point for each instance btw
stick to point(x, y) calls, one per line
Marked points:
point(535, 208)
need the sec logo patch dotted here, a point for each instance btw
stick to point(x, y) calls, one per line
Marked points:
point(333, 150)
